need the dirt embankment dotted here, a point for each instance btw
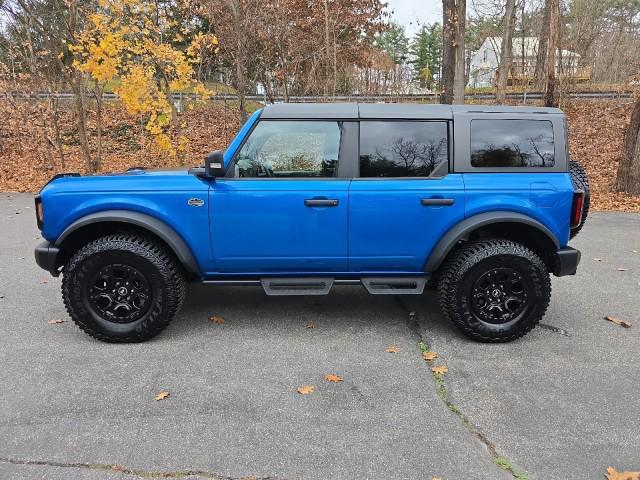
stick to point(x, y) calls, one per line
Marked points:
point(28, 156)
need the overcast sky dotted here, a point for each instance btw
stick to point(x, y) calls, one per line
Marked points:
point(411, 13)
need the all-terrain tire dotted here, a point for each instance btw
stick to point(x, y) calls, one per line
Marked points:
point(461, 289)
point(580, 181)
point(107, 264)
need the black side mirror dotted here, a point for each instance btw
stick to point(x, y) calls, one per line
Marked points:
point(214, 164)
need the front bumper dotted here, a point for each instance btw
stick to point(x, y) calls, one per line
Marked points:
point(47, 257)
point(566, 261)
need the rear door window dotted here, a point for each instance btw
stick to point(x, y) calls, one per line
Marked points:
point(403, 148)
point(512, 143)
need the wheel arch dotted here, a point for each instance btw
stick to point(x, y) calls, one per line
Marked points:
point(98, 224)
point(501, 224)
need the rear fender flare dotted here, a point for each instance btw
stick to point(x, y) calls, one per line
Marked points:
point(468, 225)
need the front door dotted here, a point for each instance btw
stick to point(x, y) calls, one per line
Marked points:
point(282, 207)
point(404, 199)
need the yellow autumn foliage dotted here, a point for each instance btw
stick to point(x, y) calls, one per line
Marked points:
point(127, 41)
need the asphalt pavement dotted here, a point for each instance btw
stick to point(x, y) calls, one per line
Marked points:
point(560, 403)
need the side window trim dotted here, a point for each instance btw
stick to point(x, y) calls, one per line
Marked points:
point(449, 143)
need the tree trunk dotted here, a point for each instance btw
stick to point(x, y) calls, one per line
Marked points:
point(235, 8)
point(81, 115)
point(448, 50)
point(99, 104)
point(506, 50)
point(628, 179)
point(543, 40)
point(550, 87)
point(460, 77)
point(327, 51)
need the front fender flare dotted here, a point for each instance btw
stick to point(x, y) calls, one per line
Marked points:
point(468, 225)
point(147, 222)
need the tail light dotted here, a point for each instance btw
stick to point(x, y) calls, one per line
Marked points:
point(39, 212)
point(576, 208)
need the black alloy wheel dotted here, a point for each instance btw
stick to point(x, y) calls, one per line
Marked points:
point(123, 288)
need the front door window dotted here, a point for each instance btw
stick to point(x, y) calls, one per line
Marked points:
point(290, 149)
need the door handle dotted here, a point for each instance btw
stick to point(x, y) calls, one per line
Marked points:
point(428, 202)
point(320, 202)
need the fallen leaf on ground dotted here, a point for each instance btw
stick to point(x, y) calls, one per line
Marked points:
point(44, 281)
point(305, 389)
point(117, 468)
point(429, 355)
point(330, 377)
point(55, 321)
point(619, 321)
point(620, 269)
point(613, 474)
point(439, 370)
point(216, 319)
point(310, 325)
point(162, 396)
point(392, 349)
point(436, 478)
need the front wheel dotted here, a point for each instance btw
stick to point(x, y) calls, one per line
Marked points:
point(123, 288)
point(494, 290)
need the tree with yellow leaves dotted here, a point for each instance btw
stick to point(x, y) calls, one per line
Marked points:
point(133, 45)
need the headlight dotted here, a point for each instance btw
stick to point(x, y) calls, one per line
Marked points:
point(39, 212)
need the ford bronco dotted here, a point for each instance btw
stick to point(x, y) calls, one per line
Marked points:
point(478, 202)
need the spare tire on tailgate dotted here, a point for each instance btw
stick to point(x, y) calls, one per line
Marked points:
point(580, 181)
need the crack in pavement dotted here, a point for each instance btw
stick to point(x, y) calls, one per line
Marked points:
point(554, 329)
point(500, 461)
point(119, 469)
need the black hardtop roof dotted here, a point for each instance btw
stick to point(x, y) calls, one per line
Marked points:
point(354, 111)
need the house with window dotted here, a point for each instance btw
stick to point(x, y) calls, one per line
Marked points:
point(484, 63)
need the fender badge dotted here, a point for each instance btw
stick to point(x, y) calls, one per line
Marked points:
point(195, 202)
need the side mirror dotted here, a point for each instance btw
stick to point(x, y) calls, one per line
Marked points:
point(214, 164)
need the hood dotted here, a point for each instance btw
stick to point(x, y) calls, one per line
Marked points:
point(139, 179)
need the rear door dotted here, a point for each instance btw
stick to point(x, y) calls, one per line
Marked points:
point(405, 199)
point(283, 208)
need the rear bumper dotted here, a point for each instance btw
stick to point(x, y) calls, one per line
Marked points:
point(566, 261)
point(47, 257)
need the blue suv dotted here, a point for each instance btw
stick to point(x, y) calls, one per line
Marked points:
point(476, 201)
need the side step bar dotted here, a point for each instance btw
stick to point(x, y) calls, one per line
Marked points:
point(296, 286)
point(394, 285)
point(322, 286)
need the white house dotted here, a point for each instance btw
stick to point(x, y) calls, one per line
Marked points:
point(484, 62)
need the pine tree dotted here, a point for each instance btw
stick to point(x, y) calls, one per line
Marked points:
point(426, 49)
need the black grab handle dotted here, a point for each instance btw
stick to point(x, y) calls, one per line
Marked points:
point(320, 202)
point(427, 202)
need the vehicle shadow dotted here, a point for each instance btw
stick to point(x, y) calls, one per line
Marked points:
point(346, 308)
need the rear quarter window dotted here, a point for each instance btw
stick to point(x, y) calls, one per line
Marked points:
point(512, 143)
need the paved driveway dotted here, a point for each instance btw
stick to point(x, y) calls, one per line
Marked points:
point(560, 403)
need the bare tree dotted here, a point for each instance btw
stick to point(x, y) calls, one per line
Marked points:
point(551, 97)
point(453, 55)
point(543, 40)
point(628, 179)
point(506, 50)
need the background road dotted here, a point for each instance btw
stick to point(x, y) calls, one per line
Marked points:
point(560, 403)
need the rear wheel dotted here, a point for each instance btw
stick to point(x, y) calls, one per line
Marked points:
point(580, 181)
point(494, 290)
point(123, 288)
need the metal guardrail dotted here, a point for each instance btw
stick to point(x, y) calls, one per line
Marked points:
point(429, 97)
